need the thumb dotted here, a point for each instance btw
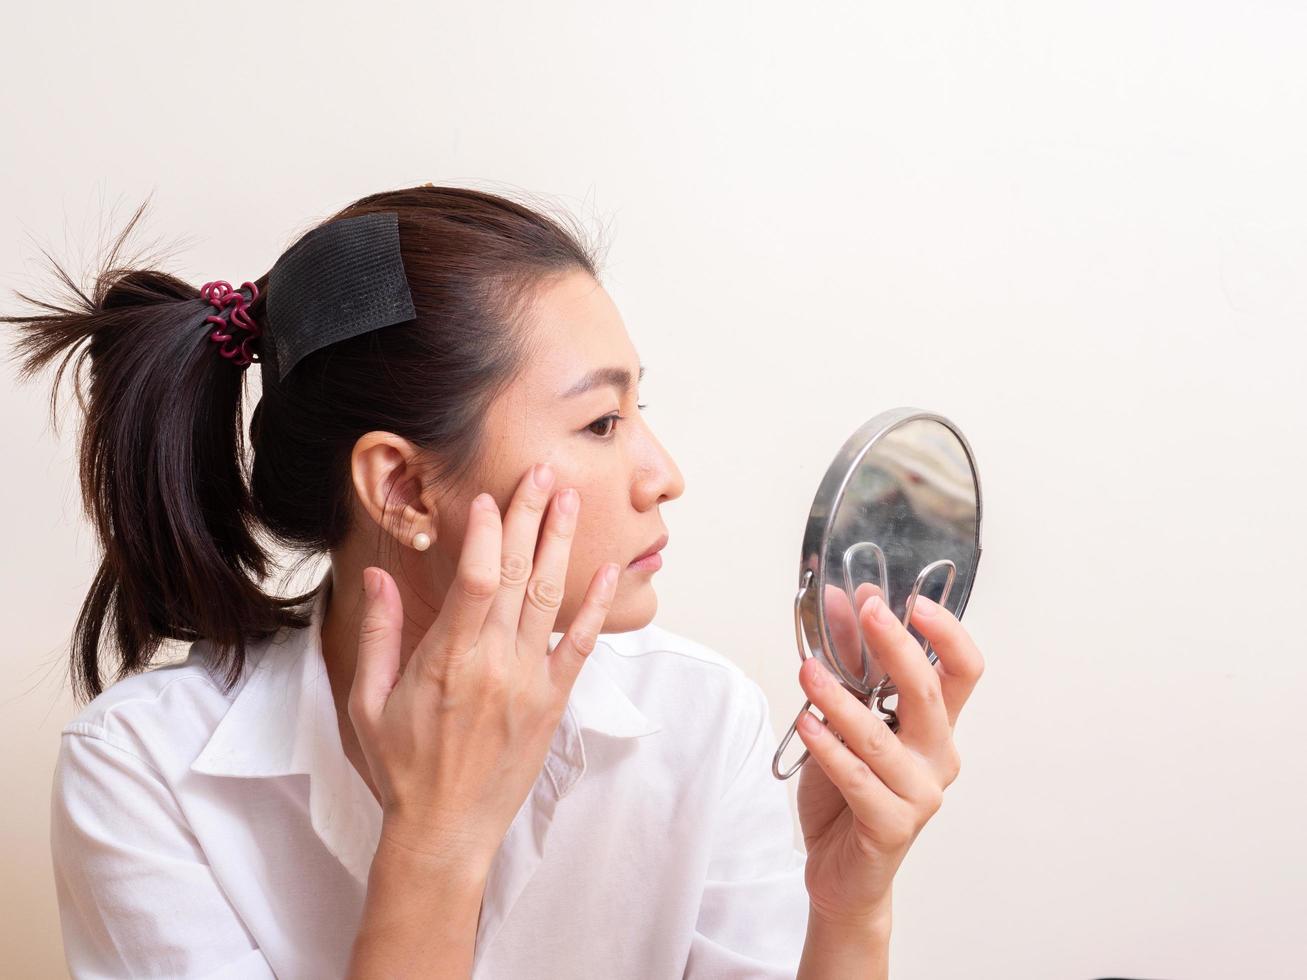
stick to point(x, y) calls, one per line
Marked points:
point(376, 669)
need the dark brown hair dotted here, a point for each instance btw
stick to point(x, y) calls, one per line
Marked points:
point(178, 502)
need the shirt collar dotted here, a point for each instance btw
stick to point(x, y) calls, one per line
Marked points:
point(273, 727)
point(282, 720)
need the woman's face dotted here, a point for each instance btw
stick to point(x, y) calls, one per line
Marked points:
point(562, 409)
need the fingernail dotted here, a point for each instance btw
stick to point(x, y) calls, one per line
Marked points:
point(542, 474)
point(369, 583)
point(879, 611)
point(925, 606)
point(567, 501)
point(820, 675)
point(610, 573)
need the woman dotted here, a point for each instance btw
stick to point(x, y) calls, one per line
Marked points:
point(468, 748)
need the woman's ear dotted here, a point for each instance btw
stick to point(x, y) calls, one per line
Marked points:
point(390, 484)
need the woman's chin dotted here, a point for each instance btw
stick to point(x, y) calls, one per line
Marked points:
point(633, 607)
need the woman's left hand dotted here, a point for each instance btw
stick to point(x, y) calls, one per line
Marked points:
point(867, 798)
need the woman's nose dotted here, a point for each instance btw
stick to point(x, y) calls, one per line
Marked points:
point(660, 479)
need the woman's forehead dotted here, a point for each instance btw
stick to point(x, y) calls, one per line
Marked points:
point(579, 342)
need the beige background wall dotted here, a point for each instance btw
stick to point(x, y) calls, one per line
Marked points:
point(1077, 229)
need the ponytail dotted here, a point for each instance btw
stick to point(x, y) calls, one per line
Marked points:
point(161, 460)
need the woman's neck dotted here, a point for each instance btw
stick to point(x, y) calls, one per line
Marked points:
point(342, 620)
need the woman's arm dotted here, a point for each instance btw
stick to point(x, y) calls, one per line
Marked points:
point(834, 950)
point(420, 917)
point(137, 896)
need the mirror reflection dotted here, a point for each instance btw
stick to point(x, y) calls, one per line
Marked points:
point(910, 500)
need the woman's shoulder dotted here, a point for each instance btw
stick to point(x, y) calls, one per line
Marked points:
point(655, 639)
point(163, 715)
point(668, 674)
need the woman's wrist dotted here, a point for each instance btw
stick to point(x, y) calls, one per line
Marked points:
point(874, 922)
point(847, 946)
point(422, 909)
point(405, 845)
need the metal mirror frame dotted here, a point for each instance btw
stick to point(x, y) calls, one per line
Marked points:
point(810, 630)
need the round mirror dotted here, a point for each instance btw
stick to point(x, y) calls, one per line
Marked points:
point(897, 513)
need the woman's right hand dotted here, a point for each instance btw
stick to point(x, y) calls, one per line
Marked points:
point(455, 742)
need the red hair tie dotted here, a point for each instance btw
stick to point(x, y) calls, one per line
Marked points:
point(222, 296)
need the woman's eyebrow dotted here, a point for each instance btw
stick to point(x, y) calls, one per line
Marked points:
point(619, 378)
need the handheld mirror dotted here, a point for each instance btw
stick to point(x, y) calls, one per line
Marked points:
point(898, 514)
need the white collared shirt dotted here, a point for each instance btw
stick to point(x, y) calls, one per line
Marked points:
point(202, 834)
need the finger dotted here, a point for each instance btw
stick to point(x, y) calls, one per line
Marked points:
point(863, 790)
point(521, 529)
point(866, 735)
point(578, 642)
point(377, 667)
point(476, 581)
point(923, 722)
point(544, 593)
point(960, 663)
point(843, 623)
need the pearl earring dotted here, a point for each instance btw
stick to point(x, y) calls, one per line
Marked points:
point(421, 541)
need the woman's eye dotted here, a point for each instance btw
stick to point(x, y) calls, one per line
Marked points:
point(610, 421)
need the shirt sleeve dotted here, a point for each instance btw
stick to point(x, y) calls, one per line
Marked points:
point(136, 895)
point(753, 916)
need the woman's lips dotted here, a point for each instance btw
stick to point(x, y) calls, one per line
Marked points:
point(651, 560)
